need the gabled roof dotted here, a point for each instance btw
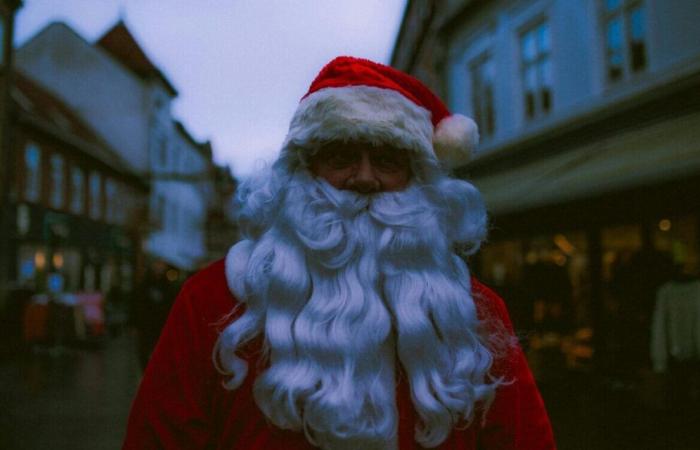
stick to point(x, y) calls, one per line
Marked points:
point(204, 148)
point(39, 107)
point(121, 44)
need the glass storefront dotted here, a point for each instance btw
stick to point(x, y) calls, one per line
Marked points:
point(545, 281)
point(569, 307)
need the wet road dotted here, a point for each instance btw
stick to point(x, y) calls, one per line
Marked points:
point(589, 414)
point(79, 399)
point(71, 399)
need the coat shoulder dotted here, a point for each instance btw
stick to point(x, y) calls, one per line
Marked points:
point(208, 290)
point(489, 305)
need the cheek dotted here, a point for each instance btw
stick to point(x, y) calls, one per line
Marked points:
point(335, 178)
point(396, 181)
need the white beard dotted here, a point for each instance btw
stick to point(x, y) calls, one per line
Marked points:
point(341, 285)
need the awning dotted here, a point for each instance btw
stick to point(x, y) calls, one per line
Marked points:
point(664, 151)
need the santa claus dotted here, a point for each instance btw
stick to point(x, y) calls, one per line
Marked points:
point(347, 318)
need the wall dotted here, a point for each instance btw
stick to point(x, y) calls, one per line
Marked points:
point(106, 95)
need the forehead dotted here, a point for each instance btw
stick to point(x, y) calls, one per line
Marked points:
point(358, 146)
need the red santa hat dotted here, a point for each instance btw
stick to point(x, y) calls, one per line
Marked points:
point(357, 99)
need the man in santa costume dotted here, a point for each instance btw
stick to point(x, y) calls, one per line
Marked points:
point(346, 318)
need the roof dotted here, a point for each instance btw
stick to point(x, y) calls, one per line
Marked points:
point(121, 44)
point(204, 148)
point(43, 109)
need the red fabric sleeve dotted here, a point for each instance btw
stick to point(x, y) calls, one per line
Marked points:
point(172, 406)
point(517, 419)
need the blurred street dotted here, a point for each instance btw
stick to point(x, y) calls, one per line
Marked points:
point(595, 414)
point(79, 399)
point(126, 150)
point(68, 399)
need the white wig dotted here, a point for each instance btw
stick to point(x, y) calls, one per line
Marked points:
point(340, 285)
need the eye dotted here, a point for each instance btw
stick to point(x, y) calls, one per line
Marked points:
point(390, 160)
point(340, 159)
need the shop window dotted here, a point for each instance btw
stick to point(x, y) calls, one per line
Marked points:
point(501, 263)
point(535, 56)
point(619, 244)
point(127, 276)
point(106, 273)
point(546, 284)
point(678, 237)
point(71, 268)
point(33, 263)
point(77, 195)
point(32, 174)
point(95, 196)
point(89, 278)
point(633, 270)
point(482, 73)
point(624, 25)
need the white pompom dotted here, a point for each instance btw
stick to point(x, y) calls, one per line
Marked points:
point(455, 139)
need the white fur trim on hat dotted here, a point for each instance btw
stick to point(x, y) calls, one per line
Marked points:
point(367, 113)
point(455, 139)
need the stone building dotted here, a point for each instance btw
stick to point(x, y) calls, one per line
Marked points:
point(589, 162)
point(114, 86)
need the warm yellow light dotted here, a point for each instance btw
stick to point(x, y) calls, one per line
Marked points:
point(39, 260)
point(57, 260)
point(563, 243)
point(665, 225)
point(531, 257)
point(559, 258)
point(609, 257)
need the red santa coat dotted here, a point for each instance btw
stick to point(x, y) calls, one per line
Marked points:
point(181, 403)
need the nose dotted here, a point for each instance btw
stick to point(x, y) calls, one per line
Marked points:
point(364, 180)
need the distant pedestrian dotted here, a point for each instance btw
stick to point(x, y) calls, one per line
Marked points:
point(151, 305)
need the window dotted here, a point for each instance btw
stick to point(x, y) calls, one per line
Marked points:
point(625, 38)
point(535, 49)
point(58, 180)
point(482, 78)
point(163, 151)
point(77, 193)
point(111, 199)
point(125, 202)
point(32, 174)
point(95, 196)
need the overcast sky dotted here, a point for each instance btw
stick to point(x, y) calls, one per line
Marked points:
point(240, 66)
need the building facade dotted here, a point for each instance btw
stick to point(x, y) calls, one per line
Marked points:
point(589, 162)
point(115, 87)
point(183, 193)
point(75, 232)
point(78, 203)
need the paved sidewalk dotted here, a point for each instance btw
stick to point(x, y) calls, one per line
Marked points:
point(74, 399)
point(593, 414)
point(79, 399)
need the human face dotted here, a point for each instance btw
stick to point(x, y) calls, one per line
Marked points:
point(362, 167)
